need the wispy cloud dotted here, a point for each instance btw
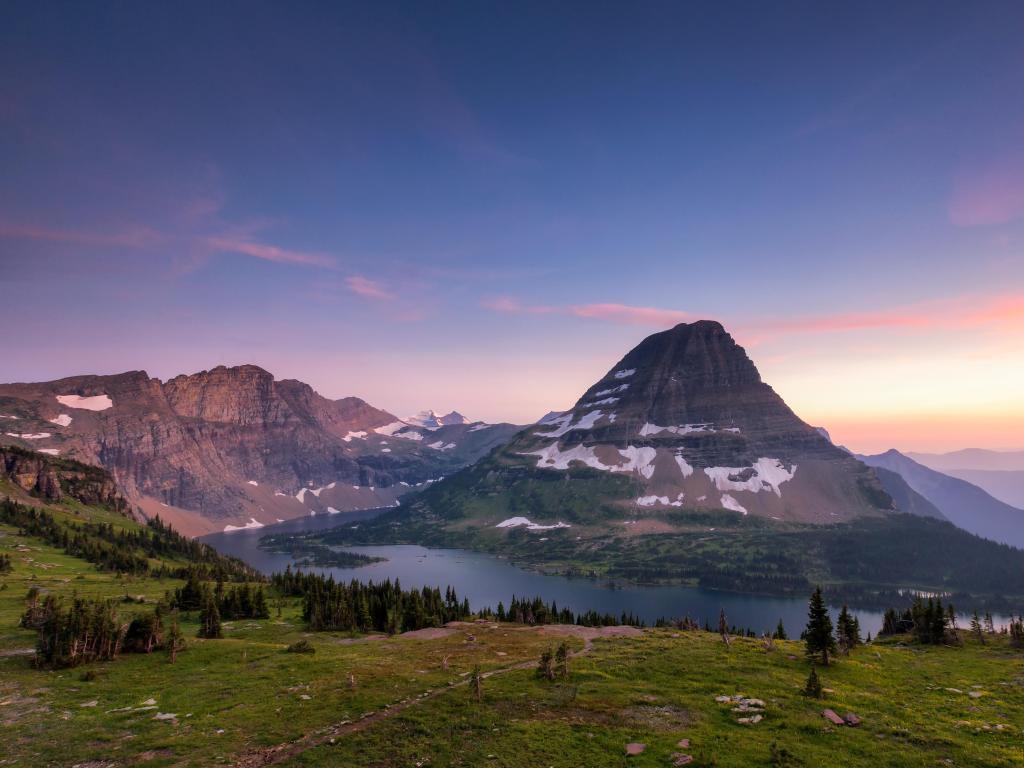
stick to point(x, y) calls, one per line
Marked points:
point(268, 252)
point(368, 289)
point(144, 238)
point(616, 313)
point(623, 313)
point(960, 312)
point(508, 305)
point(136, 237)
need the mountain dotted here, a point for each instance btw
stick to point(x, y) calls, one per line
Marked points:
point(682, 422)
point(1001, 473)
point(430, 420)
point(972, 458)
point(904, 496)
point(234, 446)
point(963, 504)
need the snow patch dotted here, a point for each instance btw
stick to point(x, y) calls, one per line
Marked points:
point(728, 502)
point(61, 421)
point(252, 482)
point(390, 429)
point(605, 401)
point(8, 416)
point(333, 511)
point(682, 429)
point(50, 451)
point(94, 403)
point(516, 522)
point(624, 373)
point(650, 501)
point(409, 434)
point(386, 450)
point(768, 474)
point(586, 421)
point(30, 435)
point(612, 390)
point(253, 523)
point(684, 466)
point(478, 427)
point(639, 459)
point(354, 436)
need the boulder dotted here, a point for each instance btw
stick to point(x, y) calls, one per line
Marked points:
point(851, 720)
point(635, 748)
point(832, 717)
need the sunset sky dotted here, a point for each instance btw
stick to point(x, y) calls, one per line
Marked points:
point(483, 206)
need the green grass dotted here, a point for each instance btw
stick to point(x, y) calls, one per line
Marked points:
point(244, 692)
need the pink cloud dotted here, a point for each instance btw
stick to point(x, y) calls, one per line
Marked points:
point(991, 195)
point(137, 237)
point(144, 238)
point(368, 289)
point(950, 313)
point(512, 306)
point(267, 252)
point(623, 313)
point(616, 313)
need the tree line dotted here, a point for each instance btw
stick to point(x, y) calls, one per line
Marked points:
point(127, 551)
point(369, 607)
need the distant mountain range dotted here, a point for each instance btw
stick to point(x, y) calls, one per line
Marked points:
point(234, 447)
point(1001, 473)
point(681, 465)
point(682, 422)
point(962, 503)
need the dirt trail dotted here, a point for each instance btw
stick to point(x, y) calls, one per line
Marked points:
point(262, 756)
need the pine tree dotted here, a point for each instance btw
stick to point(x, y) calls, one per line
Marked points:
point(476, 683)
point(847, 631)
point(780, 632)
point(813, 686)
point(990, 627)
point(209, 620)
point(175, 639)
point(546, 665)
point(818, 635)
point(562, 660)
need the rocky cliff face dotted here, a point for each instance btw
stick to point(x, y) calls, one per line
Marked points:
point(54, 479)
point(230, 445)
point(682, 422)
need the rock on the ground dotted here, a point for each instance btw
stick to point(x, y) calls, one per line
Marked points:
point(852, 720)
point(635, 748)
point(832, 717)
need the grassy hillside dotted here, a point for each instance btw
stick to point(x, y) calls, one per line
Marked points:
point(243, 700)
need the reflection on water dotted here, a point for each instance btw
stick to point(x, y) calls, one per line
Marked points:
point(486, 580)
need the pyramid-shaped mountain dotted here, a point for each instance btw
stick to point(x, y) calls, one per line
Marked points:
point(682, 422)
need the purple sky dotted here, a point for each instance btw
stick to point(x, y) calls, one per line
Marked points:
point(483, 206)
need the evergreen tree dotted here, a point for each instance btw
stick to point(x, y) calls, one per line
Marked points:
point(780, 632)
point(812, 687)
point(562, 660)
point(209, 620)
point(175, 639)
point(818, 634)
point(476, 683)
point(990, 626)
point(847, 631)
point(546, 665)
point(723, 627)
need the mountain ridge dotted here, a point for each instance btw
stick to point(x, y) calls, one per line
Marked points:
point(233, 445)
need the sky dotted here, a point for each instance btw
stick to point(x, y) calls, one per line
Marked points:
point(483, 206)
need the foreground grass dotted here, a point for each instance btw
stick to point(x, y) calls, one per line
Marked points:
point(244, 692)
point(660, 688)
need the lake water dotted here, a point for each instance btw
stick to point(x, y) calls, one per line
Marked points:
point(486, 580)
